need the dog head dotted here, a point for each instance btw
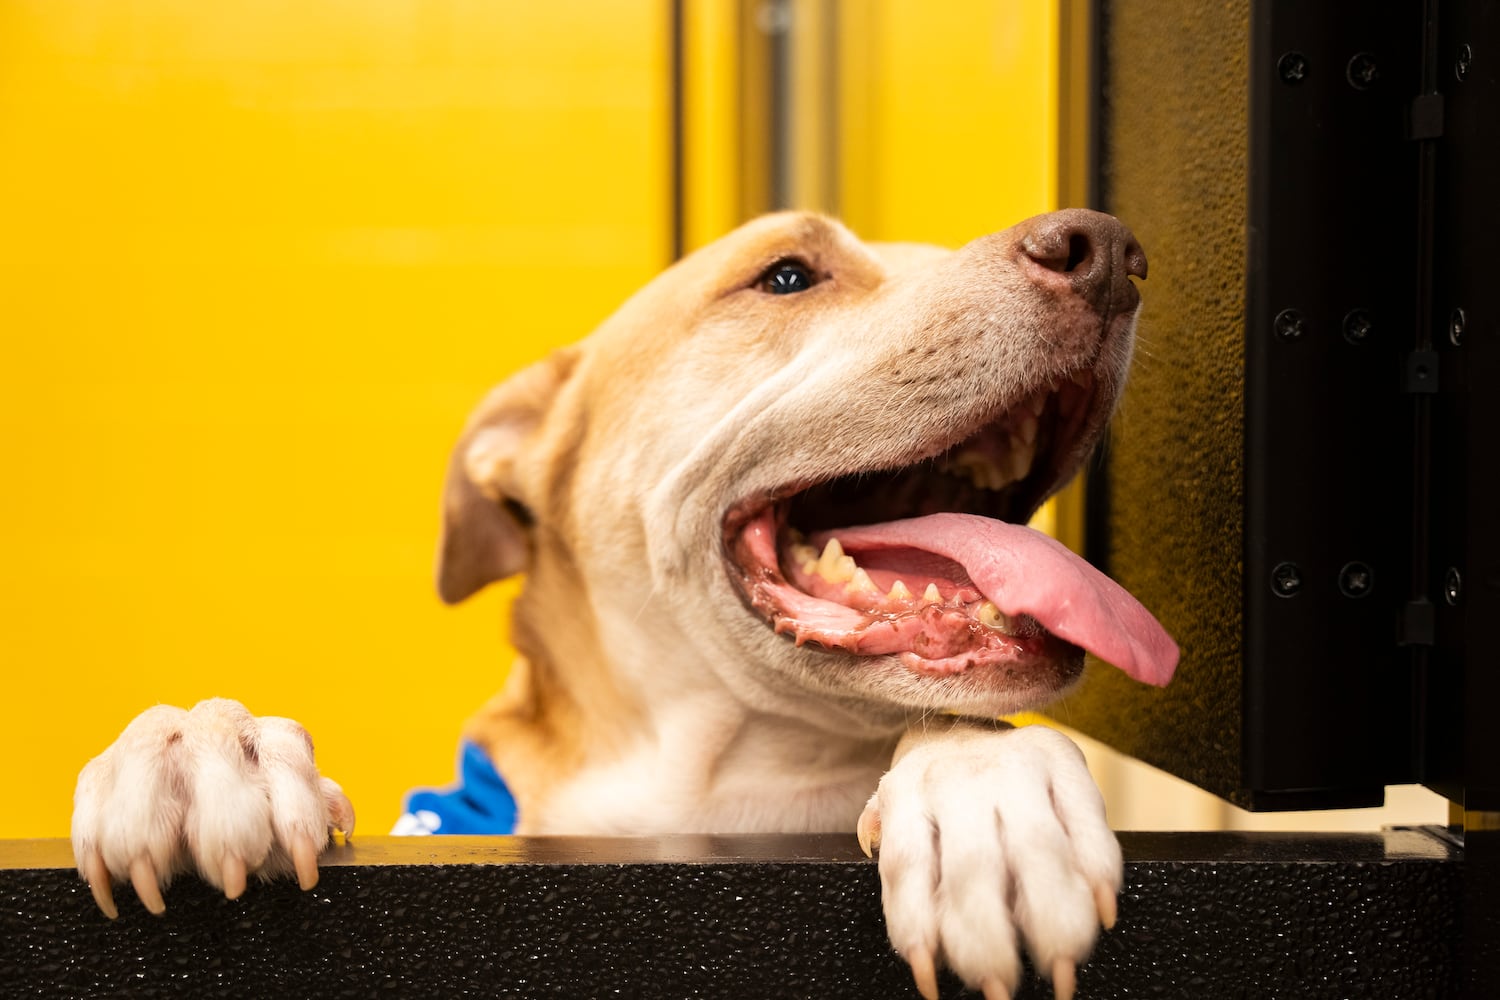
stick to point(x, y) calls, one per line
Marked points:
point(800, 464)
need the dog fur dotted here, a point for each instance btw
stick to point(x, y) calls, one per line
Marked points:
point(652, 692)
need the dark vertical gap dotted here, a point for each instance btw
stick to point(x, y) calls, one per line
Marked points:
point(832, 149)
point(1095, 174)
point(748, 101)
point(1422, 402)
point(1255, 593)
point(1096, 493)
point(677, 156)
point(776, 23)
point(1079, 136)
point(759, 133)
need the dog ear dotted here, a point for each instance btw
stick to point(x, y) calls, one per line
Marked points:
point(485, 519)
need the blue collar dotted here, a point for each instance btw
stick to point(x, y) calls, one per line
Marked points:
point(480, 802)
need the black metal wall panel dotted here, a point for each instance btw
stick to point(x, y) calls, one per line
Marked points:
point(1302, 482)
point(1331, 318)
point(1464, 571)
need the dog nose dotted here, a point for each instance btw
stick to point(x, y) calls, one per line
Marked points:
point(1094, 253)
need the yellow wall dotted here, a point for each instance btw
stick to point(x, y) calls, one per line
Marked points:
point(258, 259)
point(948, 125)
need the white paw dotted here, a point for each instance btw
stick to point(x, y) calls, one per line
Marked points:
point(990, 838)
point(213, 790)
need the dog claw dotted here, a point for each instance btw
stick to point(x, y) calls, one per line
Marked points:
point(97, 877)
point(143, 878)
point(994, 989)
point(234, 875)
point(1064, 979)
point(340, 809)
point(868, 830)
point(924, 972)
point(305, 858)
point(1107, 905)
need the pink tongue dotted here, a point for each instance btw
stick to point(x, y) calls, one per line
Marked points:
point(1026, 572)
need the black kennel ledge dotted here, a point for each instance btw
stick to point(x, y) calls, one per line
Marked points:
point(1202, 916)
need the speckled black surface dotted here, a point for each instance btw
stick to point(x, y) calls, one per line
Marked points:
point(1202, 916)
point(1167, 518)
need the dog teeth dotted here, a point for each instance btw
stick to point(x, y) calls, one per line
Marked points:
point(836, 567)
point(805, 557)
point(1020, 462)
point(1028, 429)
point(985, 473)
point(1015, 626)
point(992, 617)
point(978, 469)
point(833, 565)
point(860, 582)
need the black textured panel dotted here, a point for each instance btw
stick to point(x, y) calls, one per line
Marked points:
point(1481, 956)
point(1465, 565)
point(1203, 915)
point(1169, 507)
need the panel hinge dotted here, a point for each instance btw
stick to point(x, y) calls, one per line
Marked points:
point(1424, 117)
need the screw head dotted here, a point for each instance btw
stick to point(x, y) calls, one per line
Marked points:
point(1456, 323)
point(1289, 324)
point(1292, 67)
point(1362, 71)
point(1463, 62)
point(1358, 325)
point(1286, 580)
point(1356, 580)
point(1453, 586)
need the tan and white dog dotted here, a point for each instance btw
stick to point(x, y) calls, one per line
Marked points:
point(770, 516)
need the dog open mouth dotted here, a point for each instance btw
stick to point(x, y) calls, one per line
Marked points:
point(932, 562)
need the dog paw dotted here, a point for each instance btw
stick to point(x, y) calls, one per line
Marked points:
point(991, 839)
point(213, 790)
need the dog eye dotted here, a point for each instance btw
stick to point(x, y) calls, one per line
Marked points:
point(786, 277)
